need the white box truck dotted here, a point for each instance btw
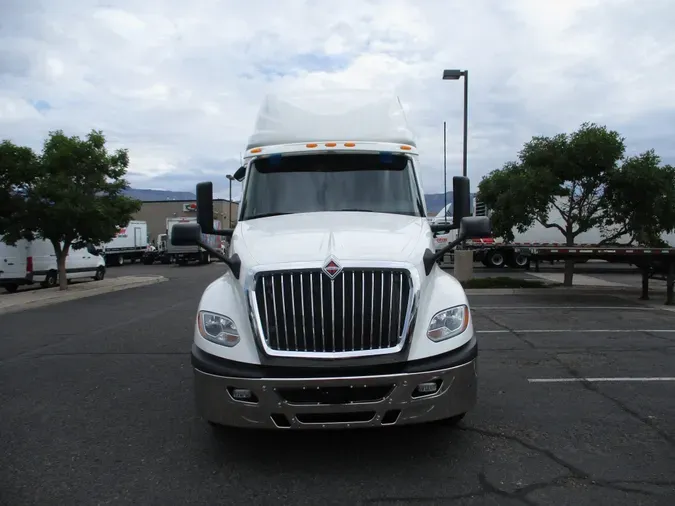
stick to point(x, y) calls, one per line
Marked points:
point(191, 252)
point(129, 244)
point(333, 311)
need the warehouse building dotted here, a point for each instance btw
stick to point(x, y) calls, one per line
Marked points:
point(155, 213)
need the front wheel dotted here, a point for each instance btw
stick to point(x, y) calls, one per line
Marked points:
point(100, 274)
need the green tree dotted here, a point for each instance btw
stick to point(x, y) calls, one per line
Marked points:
point(18, 166)
point(641, 199)
point(566, 173)
point(72, 197)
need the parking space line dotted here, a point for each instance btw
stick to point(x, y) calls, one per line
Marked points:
point(552, 331)
point(602, 308)
point(573, 380)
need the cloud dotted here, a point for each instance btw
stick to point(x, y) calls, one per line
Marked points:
point(179, 83)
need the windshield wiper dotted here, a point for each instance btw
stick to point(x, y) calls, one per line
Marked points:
point(265, 215)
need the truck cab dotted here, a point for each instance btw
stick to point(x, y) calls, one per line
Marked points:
point(332, 311)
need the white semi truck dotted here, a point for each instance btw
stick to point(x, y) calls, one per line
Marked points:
point(333, 311)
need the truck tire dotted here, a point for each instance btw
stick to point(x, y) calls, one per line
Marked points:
point(495, 259)
point(518, 261)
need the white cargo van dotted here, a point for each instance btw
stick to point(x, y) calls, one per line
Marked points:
point(333, 312)
point(30, 262)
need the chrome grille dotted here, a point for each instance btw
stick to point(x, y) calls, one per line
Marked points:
point(306, 311)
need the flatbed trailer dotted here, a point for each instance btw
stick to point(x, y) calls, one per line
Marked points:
point(654, 263)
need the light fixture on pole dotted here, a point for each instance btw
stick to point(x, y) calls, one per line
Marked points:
point(454, 75)
point(229, 213)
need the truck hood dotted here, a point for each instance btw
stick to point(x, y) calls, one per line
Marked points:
point(348, 236)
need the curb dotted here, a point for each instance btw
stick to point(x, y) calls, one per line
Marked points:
point(145, 281)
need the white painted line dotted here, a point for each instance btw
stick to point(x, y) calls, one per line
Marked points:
point(573, 380)
point(604, 308)
point(581, 331)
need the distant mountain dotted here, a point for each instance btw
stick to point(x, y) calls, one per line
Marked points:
point(158, 195)
point(435, 201)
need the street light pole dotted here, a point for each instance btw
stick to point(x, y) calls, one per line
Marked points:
point(445, 173)
point(229, 213)
point(453, 75)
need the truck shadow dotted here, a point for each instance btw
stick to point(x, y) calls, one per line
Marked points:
point(336, 448)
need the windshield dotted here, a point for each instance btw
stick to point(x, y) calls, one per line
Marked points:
point(381, 183)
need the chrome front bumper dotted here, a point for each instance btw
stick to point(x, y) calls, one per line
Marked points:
point(336, 402)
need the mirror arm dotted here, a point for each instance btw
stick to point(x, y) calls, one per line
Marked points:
point(430, 258)
point(233, 263)
point(443, 228)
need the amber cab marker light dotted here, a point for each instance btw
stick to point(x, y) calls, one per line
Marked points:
point(406, 148)
point(330, 144)
point(350, 144)
point(256, 150)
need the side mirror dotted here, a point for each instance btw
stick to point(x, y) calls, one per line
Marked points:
point(241, 172)
point(185, 234)
point(204, 207)
point(461, 199)
point(475, 227)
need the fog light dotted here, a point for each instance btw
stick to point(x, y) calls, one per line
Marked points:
point(242, 394)
point(427, 388)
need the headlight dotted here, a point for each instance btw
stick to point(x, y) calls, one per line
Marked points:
point(217, 328)
point(448, 323)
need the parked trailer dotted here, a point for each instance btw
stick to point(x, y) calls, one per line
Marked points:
point(129, 244)
point(184, 254)
point(548, 242)
point(540, 244)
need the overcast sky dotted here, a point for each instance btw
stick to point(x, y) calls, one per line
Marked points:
point(179, 83)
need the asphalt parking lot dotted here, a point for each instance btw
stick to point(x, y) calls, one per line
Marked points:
point(96, 408)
